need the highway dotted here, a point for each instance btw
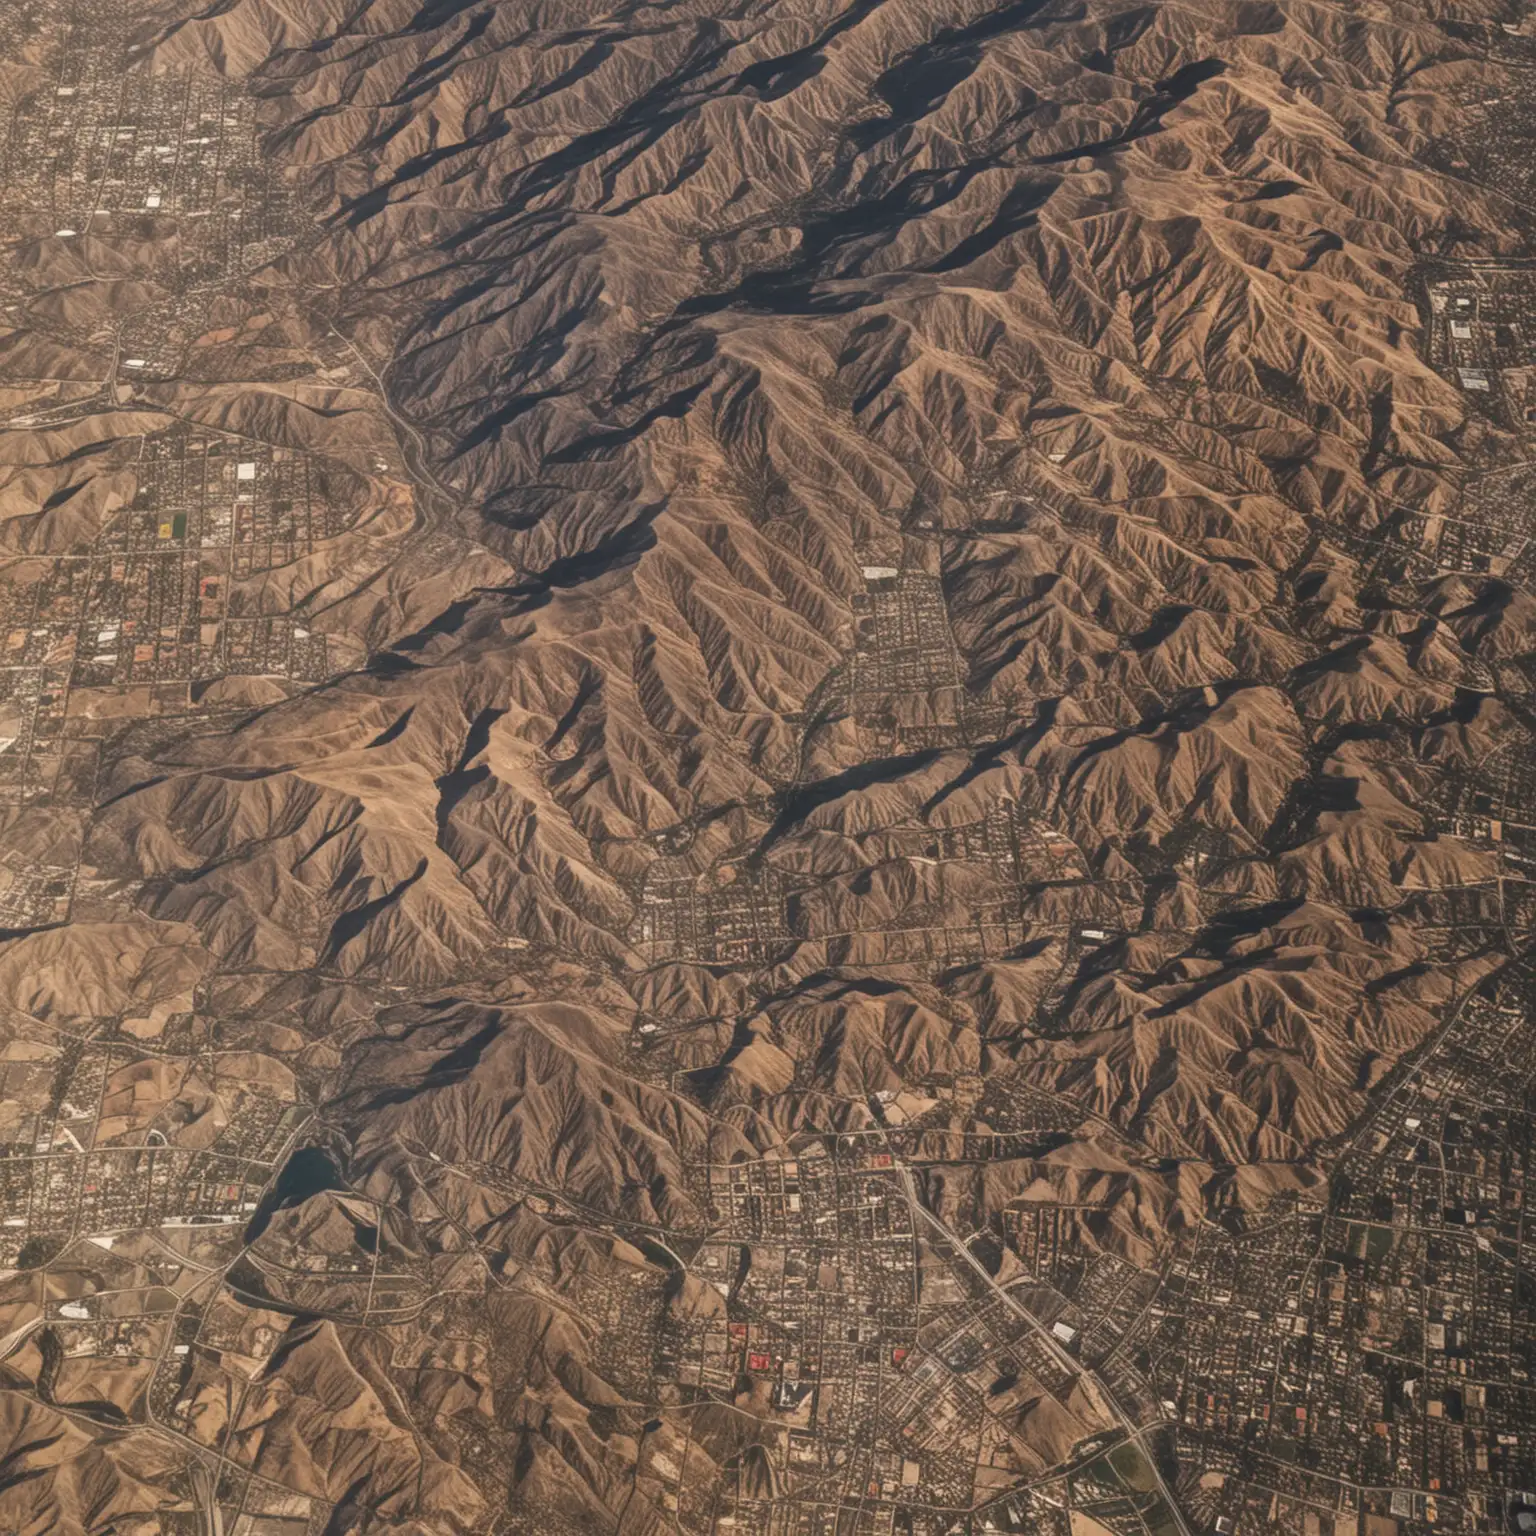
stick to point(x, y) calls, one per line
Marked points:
point(1135, 1432)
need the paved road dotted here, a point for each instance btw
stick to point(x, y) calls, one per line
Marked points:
point(205, 1494)
point(1135, 1432)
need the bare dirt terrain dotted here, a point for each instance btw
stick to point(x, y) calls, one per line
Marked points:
point(767, 768)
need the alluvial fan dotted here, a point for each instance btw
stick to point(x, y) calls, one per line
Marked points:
point(767, 767)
